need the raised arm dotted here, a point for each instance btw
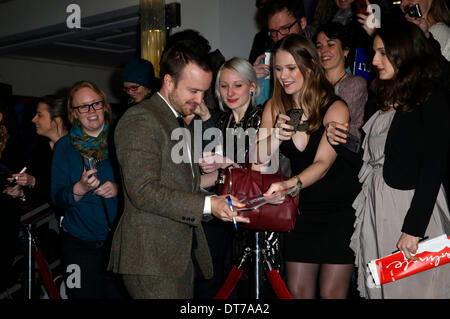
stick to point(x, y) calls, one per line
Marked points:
point(325, 154)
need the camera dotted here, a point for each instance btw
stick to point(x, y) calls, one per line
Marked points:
point(414, 11)
point(90, 163)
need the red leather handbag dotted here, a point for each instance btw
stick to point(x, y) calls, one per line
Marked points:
point(246, 183)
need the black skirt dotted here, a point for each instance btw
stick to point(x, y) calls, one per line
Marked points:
point(321, 238)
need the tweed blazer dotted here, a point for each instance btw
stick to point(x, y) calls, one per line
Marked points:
point(162, 202)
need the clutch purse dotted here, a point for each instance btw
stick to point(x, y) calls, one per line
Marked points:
point(245, 183)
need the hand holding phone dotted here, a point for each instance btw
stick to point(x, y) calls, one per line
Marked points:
point(353, 143)
point(89, 164)
point(296, 117)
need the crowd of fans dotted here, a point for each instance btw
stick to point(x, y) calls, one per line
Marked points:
point(355, 206)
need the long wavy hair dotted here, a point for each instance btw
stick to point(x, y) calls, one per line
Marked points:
point(439, 12)
point(416, 67)
point(316, 90)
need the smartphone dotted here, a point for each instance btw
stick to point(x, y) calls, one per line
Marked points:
point(414, 11)
point(266, 61)
point(90, 163)
point(353, 143)
point(296, 116)
point(361, 6)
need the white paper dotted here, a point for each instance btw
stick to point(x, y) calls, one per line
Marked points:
point(260, 200)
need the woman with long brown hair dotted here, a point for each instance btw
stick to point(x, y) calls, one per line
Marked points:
point(317, 248)
point(406, 151)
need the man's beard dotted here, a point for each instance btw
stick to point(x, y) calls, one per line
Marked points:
point(178, 104)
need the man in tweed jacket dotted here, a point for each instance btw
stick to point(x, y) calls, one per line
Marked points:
point(160, 236)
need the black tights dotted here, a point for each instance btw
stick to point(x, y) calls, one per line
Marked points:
point(334, 280)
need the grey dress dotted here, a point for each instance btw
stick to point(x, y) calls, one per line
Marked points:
point(380, 211)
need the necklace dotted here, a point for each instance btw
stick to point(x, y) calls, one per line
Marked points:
point(340, 79)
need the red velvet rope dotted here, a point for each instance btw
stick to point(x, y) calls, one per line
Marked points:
point(50, 286)
point(235, 274)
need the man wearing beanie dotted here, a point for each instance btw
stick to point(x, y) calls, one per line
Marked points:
point(139, 81)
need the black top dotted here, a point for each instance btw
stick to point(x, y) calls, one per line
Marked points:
point(337, 189)
point(416, 157)
point(243, 136)
point(39, 165)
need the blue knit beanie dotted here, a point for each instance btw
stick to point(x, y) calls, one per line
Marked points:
point(139, 71)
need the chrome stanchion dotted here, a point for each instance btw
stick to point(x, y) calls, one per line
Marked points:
point(29, 278)
point(257, 268)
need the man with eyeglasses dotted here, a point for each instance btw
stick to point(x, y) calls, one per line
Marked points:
point(284, 17)
point(139, 81)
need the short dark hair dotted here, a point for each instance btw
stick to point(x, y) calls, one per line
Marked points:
point(57, 107)
point(178, 55)
point(294, 7)
point(333, 31)
point(189, 37)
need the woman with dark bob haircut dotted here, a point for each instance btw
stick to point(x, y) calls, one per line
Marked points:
point(334, 45)
point(406, 151)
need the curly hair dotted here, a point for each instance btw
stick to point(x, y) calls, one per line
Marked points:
point(316, 90)
point(415, 64)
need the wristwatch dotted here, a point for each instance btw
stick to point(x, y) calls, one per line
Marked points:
point(298, 187)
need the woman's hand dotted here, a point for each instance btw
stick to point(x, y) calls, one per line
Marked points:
point(202, 111)
point(334, 136)
point(213, 161)
point(408, 245)
point(277, 187)
point(283, 131)
point(14, 191)
point(362, 19)
point(262, 70)
point(87, 182)
point(23, 179)
point(107, 190)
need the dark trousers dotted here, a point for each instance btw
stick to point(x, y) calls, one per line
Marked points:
point(219, 237)
point(9, 238)
point(91, 258)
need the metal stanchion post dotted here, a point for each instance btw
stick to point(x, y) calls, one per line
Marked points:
point(29, 268)
point(257, 268)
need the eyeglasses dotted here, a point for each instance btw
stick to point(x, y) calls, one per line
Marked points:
point(87, 107)
point(132, 88)
point(282, 31)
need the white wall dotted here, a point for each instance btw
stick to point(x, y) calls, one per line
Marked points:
point(36, 78)
point(22, 15)
point(228, 25)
